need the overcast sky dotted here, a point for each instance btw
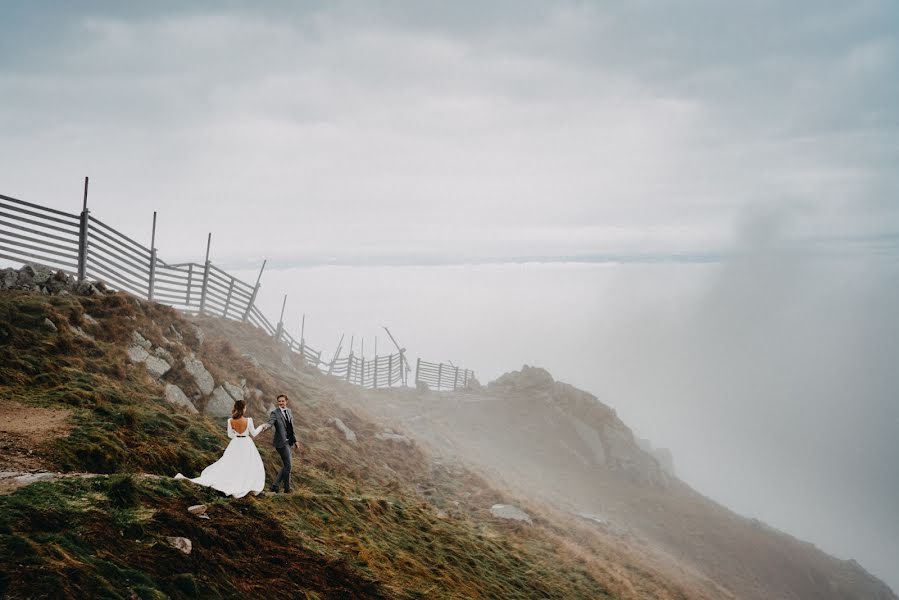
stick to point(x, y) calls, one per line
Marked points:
point(688, 208)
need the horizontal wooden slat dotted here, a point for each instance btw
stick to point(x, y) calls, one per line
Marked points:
point(114, 280)
point(40, 223)
point(98, 253)
point(38, 206)
point(37, 246)
point(73, 239)
point(124, 238)
point(119, 247)
point(43, 215)
point(68, 249)
point(172, 290)
point(27, 257)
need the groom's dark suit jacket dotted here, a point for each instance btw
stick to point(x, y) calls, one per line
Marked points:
point(284, 435)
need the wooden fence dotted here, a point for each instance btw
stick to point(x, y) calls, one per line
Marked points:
point(85, 247)
point(440, 376)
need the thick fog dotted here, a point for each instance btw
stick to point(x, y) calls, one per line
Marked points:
point(688, 209)
point(771, 375)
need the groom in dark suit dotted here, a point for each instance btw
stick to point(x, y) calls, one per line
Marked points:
point(282, 420)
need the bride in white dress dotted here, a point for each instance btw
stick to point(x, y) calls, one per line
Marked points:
point(240, 470)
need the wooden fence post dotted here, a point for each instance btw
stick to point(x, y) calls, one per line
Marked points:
point(280, 327)
point(82, 237)
point(246, 313)
point(417, 367)
point(439, 376)
point(349, 364)
point(190, 280)
point(152, 260)
point(390, 371)
point(362, 376)
point(375, 382)
point(205, 276)
point(228, 299)
point(456, 379)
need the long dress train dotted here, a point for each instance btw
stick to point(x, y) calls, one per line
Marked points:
point(240, 470)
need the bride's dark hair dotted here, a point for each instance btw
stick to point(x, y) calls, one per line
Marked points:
point(239, 407)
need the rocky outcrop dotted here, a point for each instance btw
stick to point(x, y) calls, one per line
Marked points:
point(221, 403)
point(174, 395)
point(202, 377)
point(139, 352)
point(38, 278)
point(236, 392)
point(604, 439)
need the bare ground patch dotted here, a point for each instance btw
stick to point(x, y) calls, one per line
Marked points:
point(23, 429)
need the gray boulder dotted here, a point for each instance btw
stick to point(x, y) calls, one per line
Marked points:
point(140, 340)
point(137, 354)
point(389, 436)
point(220, 404)
point(180, 543)
point(348, 433)
point(50, 325)
point(204, 379)
point(174, 395)
point(82, 334)
point(234, 391)
point(8, 278)
point(41, 274)
point(157, 366)
point(164, 354)
point(507, 511)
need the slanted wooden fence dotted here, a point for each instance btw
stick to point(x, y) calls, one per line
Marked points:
point(87, 248)
point(441, 376)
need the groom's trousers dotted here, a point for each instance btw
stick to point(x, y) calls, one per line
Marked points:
point(284, 475)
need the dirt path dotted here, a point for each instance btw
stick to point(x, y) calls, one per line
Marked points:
point(23, 429)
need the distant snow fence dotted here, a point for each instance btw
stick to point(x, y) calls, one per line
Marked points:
point(439, 376)
point(87, 248)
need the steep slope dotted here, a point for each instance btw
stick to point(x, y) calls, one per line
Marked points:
point(549, 440)
point(90, 508)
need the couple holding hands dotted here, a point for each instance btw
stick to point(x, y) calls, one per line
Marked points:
point(240, 470)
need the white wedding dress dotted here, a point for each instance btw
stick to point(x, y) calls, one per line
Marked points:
point(240, 470)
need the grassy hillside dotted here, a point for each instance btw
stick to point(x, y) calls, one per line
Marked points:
point(358, 526)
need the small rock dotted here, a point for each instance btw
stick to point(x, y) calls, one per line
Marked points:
point(82, 334)
point(141, 341)
point(180, 543)
point(50, 325)
point(201, 337)
point(41, 274)
point(89, 320)
point(594, 518)
point(164, 354)
point(137, 354)
point(389, 436)
point(8, 278)
point(174, 395)
point(507, 511)
point(252, 360)
point(174, 331)
point(197, 509)
point(348, 433)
